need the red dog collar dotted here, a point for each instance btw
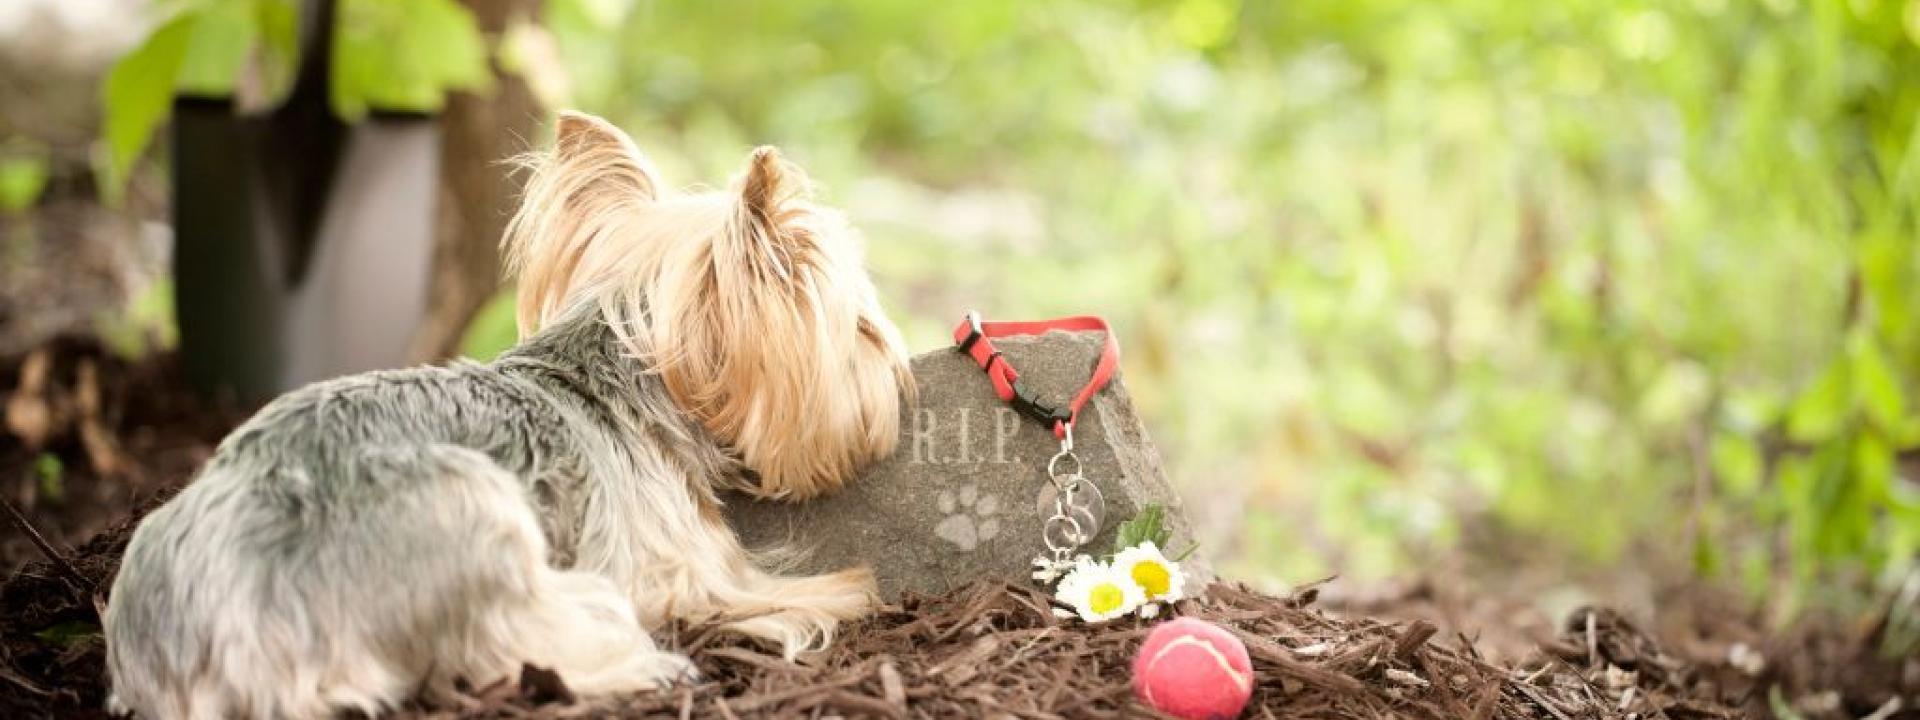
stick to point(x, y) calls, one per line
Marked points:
point(975, 338)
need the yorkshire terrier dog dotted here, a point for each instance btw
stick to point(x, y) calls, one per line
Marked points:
point(364, 540)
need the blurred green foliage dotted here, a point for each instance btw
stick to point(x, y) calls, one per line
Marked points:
point(52, 475)
point(398, 55)
point(24, 172)
point(23, 175)
point(404, 55)
point(1588, 277)
point(143, 324)
point(1148, 526)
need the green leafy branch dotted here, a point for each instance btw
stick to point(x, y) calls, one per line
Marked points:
point(401, 55)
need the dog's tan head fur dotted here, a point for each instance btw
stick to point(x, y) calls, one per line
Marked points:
point(752, 303)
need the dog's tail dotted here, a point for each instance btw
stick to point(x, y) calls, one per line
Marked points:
point(574, 226)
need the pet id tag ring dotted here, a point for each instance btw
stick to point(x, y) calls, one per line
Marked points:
point(1077, 508)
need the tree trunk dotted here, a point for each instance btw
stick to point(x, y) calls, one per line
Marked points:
point(476, 192)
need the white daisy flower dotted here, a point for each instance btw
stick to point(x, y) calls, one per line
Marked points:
point(1098, 593)
point(1158, 577)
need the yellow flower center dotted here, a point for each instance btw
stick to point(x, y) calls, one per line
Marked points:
point(1105, 598)
point(1152, 577)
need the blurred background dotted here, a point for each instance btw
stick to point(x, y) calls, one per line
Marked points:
point(1586, 297)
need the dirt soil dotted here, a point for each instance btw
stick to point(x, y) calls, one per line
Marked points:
point(89, 436)
point(124, 435)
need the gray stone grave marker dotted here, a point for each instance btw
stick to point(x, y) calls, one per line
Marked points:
point(964, 496)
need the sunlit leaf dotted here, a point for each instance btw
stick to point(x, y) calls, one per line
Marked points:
point(279, 27)
point(223, 38)
point(405, 55)
point(138, 93)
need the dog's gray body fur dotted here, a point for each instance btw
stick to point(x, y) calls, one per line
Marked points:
point(390, 507)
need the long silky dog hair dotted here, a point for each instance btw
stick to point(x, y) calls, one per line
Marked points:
point(362, 540)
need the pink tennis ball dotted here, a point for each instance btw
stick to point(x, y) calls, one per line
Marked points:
point(1193, 669)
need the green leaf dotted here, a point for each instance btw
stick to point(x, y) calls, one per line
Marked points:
point(1819, 411)
point(22, 179)
point(405, 55)
point(52, 474)
point(1875, 387)
point(70, 633)
point(1872, 471)
point(1148, 526)
point(223, 38)
point(138, 94)
point(279, 27)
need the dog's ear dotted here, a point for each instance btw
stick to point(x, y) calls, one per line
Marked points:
point(579, 194)
point(773, 199)
point(771, 184)
point(605, 152)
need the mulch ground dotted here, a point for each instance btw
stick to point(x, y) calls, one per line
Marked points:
point(87, 436)
point(984, 651)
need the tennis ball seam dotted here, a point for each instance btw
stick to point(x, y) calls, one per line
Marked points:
point(1243, 680)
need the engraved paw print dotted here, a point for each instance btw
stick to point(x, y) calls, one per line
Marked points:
point(968, 519)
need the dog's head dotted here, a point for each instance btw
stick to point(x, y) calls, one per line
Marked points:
point(751, 303)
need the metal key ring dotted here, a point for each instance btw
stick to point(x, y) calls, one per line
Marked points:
point(1071, 535)
point(1053, 467)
